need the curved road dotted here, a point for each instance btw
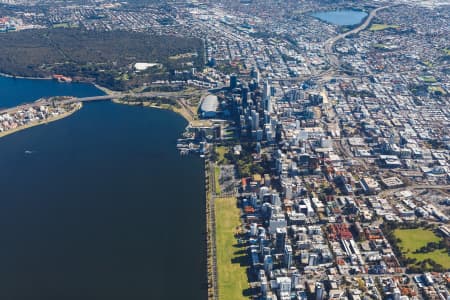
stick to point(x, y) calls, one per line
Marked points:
point(329, 44)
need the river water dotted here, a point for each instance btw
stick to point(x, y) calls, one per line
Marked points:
point(99, 205)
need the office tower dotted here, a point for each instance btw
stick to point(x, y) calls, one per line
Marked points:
point(255, 119)
point(280, 240)
point(233, 81)
point(319, 291)
point(268, 263)
point(287, 256)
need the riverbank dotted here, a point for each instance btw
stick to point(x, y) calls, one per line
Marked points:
point(77, 107)
point(186, 111)
point(99, 87)
point(181, 111)
point(22, 77)
point(103, 89)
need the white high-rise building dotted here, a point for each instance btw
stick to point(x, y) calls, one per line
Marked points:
point(284, 284)
point(255, 120)
point(267, 97)
point(295, 279)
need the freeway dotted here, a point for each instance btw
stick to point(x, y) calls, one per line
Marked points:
point(329, 44)
point(334, 61)
point(386, 193)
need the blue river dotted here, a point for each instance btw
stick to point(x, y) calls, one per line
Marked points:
point(99, 205)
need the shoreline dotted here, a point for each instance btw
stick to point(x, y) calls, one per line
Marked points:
point(23, 77)
point(42, 122)
point(101, 88)
point(185, 113)
point(178, 111)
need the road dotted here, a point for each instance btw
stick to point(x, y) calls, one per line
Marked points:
point(414, 187)
point(211, 224)
point(329, 44)
point(115, 95)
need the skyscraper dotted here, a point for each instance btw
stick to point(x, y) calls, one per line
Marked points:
point(266, 97)
point(280, 239)
point(287, 256)
point(233, 81)
point(319, 291)
point(255, 120)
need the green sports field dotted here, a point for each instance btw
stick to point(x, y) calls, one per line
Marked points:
point(231, 260)
point(413, 239)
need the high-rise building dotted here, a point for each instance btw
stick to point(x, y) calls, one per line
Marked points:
point(233, 81)
point(275, 199)
point(259, 134)
point(319, 291)
point(312, 260)
point(295, 279)
point(244, 95)
point(280, 240)
point(266, 89)
point(287, 256)
point(396, 294)
point(267, 97)
point(255, 119)
point(255, 74)
point(262, 192)
point(254, 229)
point(264, 286)
point(284, 284)
point(268, 263)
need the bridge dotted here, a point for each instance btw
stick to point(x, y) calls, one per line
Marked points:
point(115, 95)
point(118, 95)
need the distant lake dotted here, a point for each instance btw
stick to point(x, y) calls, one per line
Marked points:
point(99, 205)
point(344, 17)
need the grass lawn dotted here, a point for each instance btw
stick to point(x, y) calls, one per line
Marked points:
point(231, 260)
point(381, 46)
point(436, 88)
point(428, 79)
point(221, 151)
point(377, 27)
point(216, 179)
point(61, 25)
point(413, 239)
point(428, 64)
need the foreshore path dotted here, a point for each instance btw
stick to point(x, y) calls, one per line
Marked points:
point(213, 291)
point(84, 99)
point(113, 96)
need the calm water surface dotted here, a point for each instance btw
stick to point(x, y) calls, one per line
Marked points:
point(343, 17)
point(16, 91)
point(102, 208)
